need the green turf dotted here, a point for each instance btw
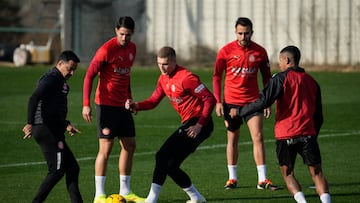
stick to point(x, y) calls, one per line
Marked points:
point(22, 166)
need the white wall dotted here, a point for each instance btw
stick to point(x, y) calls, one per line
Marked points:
point(327, 31)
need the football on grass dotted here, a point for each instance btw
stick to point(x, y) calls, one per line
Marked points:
point(115, 198)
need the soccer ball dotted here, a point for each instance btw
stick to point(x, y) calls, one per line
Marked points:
point(115, 198)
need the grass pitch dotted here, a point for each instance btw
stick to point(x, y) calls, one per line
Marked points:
point(22, 166)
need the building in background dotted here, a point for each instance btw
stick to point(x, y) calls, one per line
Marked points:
point(327, 31)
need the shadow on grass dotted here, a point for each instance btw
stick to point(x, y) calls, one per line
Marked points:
point(357, 184)
point(275, 198)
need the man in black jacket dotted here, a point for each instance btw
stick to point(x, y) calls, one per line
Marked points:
point(46, 122)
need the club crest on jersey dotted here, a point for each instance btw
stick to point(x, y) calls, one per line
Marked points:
point(251, 58)
point(199, 88)
point(65, 88)
point(131, 56)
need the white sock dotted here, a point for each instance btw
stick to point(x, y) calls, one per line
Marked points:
point(193, 193)
point(100, 185)
point(232, 172)
point(124, 185)
point(325, 198)
point(300, 197)
point(261, 169)
point(154, 193)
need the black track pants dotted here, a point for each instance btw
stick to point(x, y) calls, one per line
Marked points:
point(59, 162)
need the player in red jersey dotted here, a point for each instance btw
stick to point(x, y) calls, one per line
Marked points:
point(112, 63)
point(194, 103)
point(241, 60)
point(298, 120)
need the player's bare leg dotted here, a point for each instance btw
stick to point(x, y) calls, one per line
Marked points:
point(232, 147)
point(128, 146)
point(232, 158)
point(319, 180)
point(292, 184)
point(105, 146)
point(255, 125)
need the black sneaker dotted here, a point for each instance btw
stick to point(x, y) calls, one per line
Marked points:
point(230, 184)
point(267, 185)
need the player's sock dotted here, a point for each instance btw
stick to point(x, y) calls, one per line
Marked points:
point(261, 169)
point(154, 193)
point(232, 172)
point(325, 198)
point(300, 197)
point(124, 185)
point(99, 185)
point(193, 193)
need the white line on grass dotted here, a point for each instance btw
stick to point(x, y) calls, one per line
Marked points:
point(86, 124)
point(342, 134)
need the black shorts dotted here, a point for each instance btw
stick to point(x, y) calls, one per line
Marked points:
point(179, 145)
point(307, 147)
point(114, 122)
point(235, 123)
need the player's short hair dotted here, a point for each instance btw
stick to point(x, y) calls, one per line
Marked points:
point(294, 52)
point(166, 52)
point(244, 22)
point(69, 55)
point(126, 22)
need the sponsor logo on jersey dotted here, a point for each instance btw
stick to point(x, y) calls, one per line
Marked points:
point(242, 71)
point(177, 100)
point(122, 71)
point(173, 88)
point(236, 57)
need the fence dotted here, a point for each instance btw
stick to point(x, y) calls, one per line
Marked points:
point(327, 31)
